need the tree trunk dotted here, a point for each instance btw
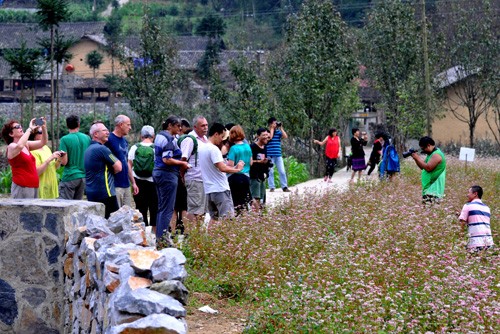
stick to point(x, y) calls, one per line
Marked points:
point(52, 86)
point(311, 138)
point(93, 95)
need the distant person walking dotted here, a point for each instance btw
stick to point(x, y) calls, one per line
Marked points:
point(389, 166)
point(75, 143)
point(119, 146)
point(476, 216)
point(376, 153)
point(141, 161)
point(100, 167)
point(273, 148)
point(358, 141)
point(25, 180)
point(332, 152)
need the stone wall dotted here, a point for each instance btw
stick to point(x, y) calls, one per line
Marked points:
point(66, 269)
point(32, 236)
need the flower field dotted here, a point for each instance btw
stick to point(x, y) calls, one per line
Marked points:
point(370, 260)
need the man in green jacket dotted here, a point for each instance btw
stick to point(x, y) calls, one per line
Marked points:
point(433, 170)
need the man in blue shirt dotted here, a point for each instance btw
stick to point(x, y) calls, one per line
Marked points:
point(273, 149)
point(100, 165)
point(119, 147)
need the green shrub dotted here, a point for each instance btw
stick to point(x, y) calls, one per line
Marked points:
point(5, 180)
point(296, 172)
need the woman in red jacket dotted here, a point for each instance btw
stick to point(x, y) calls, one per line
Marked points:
point(332, 152)
point(25, 179)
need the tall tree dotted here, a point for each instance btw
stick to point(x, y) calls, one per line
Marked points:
point(391, 53)
point(213, 27)
point(29, 64)
point(114, 38)
point(94, 60)
point(50, 13)
point(152, 76)
point(313, 69)
point(470, 50)
point(61, 56)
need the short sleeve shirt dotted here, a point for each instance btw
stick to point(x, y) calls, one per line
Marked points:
point(242, 152)
point(214, 181)
point(99, 179)
point(74, 144)
point(119, 148)
point(166, 147)
point(131, 157)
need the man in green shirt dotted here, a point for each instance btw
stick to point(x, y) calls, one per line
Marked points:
point(433, 170)
point(75, 143)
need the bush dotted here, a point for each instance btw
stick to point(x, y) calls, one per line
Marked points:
point(296, 172)
point(5, 180)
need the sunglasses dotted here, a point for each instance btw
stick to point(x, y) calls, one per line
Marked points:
point(39, 133)
point(19, 126)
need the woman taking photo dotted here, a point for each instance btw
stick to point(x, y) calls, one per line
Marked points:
point(166, 172)
point(358, 153)
point(332, 152)
point(25, 180)
point(46, 165)
point(239, 183)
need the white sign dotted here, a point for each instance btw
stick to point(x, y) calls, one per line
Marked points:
point(467, 154)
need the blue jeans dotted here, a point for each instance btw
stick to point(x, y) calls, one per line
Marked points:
point(278, 163)
point(166, 186)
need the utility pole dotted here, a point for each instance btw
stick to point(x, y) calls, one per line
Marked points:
point(427, 91)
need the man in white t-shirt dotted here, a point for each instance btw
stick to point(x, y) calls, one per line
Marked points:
point(196, 202)
point(213, 172)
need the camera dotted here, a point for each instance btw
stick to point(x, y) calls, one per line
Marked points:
point(278, 124)
point(62, 153)
point(409, 152)
point(39, 121)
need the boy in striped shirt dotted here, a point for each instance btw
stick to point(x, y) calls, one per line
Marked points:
point(476, 215)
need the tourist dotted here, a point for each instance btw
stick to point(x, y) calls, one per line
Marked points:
point(376, 153)
point(100, 167)
point(141, 161)
point(239, 182)
point(332, 152)
point(75, 143)
point(358, 140)
point(166, 172)
point(119, 147)
point(25, 180)
point(277, 132)
point(259, 169)
point(47, 164)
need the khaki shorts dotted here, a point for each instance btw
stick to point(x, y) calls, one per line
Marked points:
point(220, 205)
point(23, 192)
point(196, 199)
point(123, 196)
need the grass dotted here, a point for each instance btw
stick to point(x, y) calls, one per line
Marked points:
point(368, 260)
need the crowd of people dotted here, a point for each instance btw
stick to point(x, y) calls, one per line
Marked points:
point(184, 172)
point(174, 176)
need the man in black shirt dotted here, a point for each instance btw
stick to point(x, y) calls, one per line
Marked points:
point(259, 171)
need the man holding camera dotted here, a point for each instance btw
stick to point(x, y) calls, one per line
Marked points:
point(273, 149)
point(433, 170)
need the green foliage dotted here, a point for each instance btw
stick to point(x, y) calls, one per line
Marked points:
point(94, 60)
point(15, 16)
point(5, 180)
point(212, 26)
point(296, 172)
point(392, 52)
point(51, 12)
point(153, 77)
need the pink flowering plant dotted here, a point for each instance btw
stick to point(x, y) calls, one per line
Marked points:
point(371, 259)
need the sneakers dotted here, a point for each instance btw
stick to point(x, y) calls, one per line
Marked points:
point(286, 190)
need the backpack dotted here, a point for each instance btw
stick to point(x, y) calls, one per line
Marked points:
point(144, 161)
point(195, 147)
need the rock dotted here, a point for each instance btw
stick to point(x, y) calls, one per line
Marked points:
point(174, 289)
point(155, 323)
point(121, 220)
point(170, 266)
point(146, 302)
point(142, 259)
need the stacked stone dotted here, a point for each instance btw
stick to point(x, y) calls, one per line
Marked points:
point(116, 281)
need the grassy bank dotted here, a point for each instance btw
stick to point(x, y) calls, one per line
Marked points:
point(369, 260)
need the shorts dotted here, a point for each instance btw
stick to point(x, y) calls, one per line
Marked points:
point(258, 188)
point(196, 199)
point(220, 205)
